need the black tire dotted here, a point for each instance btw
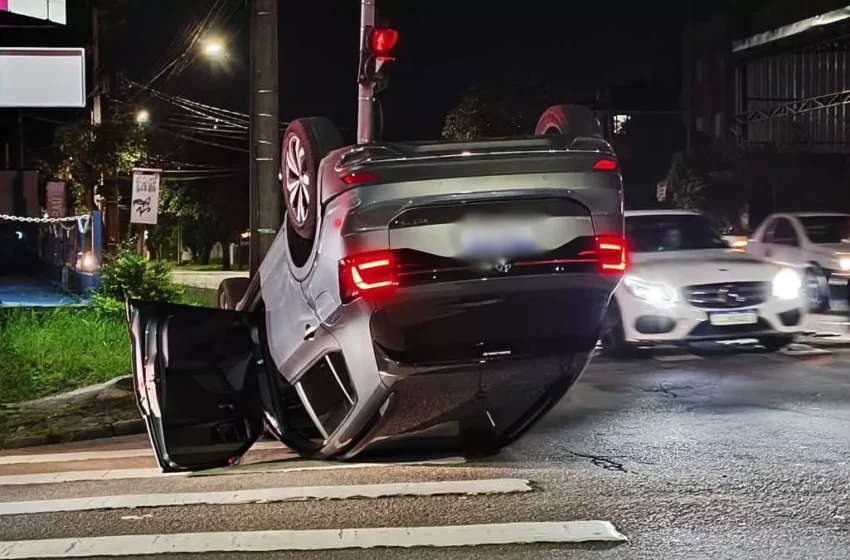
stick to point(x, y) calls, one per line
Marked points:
point(613, 336)
point(817, 289)
point(231, 291)
point(305, 143)
point(575, 121)
point(776, 343)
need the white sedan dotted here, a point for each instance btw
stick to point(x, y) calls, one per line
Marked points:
point(685, 284)
point(818, 244)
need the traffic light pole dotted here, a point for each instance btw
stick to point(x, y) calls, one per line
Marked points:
point(265, 188)
point(366, 91)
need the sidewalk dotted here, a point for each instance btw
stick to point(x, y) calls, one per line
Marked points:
point(24, 291)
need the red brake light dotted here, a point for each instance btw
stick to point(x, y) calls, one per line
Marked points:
point(359, 177)
point(612, 254)
point(382, 41)
point(370, 274)
point(605, 165)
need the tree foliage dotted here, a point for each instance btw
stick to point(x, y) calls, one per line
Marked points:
point(90, 154)
point(508, 107)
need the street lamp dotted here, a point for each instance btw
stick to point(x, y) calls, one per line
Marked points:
point(143, 117)
point(214, 48)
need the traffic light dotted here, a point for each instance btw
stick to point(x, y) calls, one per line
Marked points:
point(378, 46)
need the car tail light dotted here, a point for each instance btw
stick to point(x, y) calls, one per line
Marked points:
point(612, 254)
point(605, 165)
point(371, 275)
point(359, 177)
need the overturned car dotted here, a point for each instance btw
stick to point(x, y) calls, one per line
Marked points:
point(438, 296)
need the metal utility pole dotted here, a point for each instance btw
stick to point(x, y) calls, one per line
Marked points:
point(366, 91)
point(266, 196)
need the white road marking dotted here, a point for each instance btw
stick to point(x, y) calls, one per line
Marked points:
point(328, 539)
point(293, 466)
point(676, 358)
point(803, 350)
point(107, 455)
point(259, 468)
point(267, 495)
point(80, 476)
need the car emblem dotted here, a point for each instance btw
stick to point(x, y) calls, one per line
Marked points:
point(503, 267)
point(726, 295)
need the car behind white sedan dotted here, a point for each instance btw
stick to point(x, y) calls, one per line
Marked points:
point(685, 284)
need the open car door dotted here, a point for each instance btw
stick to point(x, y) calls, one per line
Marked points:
point(196, 383)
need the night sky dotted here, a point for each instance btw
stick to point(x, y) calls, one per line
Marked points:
point(445, 47)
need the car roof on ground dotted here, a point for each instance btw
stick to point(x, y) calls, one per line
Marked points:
point(665, 212)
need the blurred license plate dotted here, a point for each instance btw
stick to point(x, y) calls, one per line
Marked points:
point(727, 318)
point(504, 240)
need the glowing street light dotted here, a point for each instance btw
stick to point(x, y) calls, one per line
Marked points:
point(143, 117)
point(214, 48)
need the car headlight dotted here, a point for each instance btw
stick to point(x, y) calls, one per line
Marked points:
point(656, 293)
point(844, 264)
point(787, 284)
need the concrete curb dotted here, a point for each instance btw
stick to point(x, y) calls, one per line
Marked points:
point(116, 429)
point(114, 401)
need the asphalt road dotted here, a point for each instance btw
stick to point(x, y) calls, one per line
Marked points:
point(729, 455)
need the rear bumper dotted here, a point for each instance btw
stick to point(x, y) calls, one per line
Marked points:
point(509, 317)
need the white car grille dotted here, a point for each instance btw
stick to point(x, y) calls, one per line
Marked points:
point(728, 295)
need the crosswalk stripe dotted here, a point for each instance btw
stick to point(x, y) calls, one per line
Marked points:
point(67, 457)
point(81, 476)
point(281, 467)
point(307, 465)
point(268, 495)
point(325, 539)
point(106, 455)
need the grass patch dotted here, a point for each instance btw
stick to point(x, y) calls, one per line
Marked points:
point(44, 352)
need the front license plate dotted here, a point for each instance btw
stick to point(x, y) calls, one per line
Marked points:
point(728, 318)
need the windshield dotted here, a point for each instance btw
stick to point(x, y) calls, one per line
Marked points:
point(671, 232)
point(827, 229)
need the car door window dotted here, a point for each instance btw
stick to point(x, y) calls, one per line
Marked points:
point(785, 234)
point(770, 228)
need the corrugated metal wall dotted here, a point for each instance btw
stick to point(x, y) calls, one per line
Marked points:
point(777, 79)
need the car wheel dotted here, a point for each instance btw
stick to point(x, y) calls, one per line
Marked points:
point(231, 291)
point(613, 335)
point(817, 295)
point(569, 120)
point(305, 142)
point(775, 343)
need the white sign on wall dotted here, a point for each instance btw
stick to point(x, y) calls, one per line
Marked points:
point(42, 77)
point(51, 10)
point(144, 205)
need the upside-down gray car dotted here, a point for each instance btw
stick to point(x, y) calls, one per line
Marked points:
point(440, 296)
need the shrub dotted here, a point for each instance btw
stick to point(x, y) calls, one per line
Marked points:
point(130, 276)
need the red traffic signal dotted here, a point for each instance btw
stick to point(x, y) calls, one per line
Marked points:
point(382, 41)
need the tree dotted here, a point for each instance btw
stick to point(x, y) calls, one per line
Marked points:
point(91, 155)
point(209, 212)
point(507, 107)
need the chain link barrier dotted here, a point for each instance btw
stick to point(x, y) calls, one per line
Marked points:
point(82, 222)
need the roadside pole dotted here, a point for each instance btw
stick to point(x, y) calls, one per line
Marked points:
point(265, 188)
point(366, 91)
